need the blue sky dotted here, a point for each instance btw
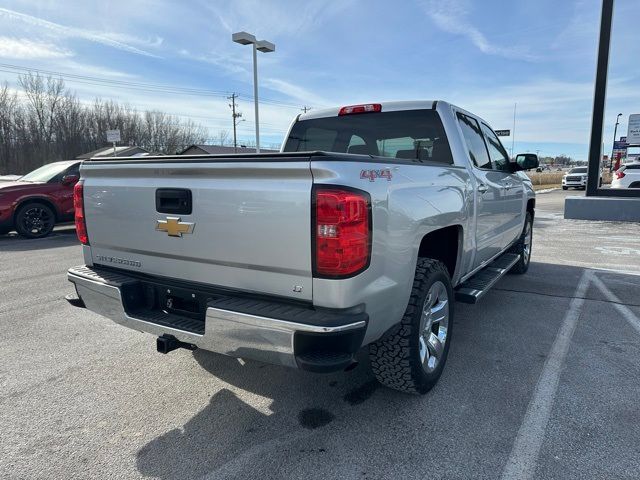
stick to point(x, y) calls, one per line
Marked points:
point(482, 55)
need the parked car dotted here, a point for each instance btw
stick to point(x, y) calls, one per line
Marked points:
point(362, 231)
point(36, 202)
point(627, 176)
point(577, 178)
point(9, 178)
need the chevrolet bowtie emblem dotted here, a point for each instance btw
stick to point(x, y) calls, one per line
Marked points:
point(174, 227)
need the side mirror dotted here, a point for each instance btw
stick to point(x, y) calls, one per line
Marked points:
point(68, 180)
point(526, 161)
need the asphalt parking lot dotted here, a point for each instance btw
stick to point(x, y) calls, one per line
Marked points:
point(542, 381)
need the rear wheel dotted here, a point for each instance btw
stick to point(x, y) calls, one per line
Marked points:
point(411, 359)
point(523, 246)
point(35, 220)
point(565, 188)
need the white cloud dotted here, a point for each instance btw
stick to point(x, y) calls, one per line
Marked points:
point(71, 32)
point(296, 92)
point(275, 19)
point(233, 64)
point(77, 68)
point(23, 48)
point(452, 16)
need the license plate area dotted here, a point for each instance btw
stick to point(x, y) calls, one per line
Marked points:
point(175, 307)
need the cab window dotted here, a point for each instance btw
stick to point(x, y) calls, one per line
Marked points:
point(404, 136)
point(497, 153)
point(475, 143)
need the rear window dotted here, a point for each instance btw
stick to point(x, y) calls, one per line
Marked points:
point(415, 135)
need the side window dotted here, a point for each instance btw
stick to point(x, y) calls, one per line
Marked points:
point(74, 170)
point(498, 154)
point(475, 142)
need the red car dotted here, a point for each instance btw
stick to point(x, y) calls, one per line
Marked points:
point(33, 204)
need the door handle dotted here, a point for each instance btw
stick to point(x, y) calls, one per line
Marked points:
point(482, 188)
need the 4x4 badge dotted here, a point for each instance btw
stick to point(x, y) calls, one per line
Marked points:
point(174, 227)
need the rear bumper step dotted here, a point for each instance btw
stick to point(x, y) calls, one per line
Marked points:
point(270, 331)
point(473, 289)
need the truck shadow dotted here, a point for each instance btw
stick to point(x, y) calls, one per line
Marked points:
point(229, 428)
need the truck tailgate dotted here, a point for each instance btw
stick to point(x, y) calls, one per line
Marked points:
point(249, 226)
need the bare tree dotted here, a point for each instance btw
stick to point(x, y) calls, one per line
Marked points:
point(222, 138)
point(49, 123)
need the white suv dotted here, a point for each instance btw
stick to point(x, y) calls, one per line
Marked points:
point(576, 177)
point(627, 176)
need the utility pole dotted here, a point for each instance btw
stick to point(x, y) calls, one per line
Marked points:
point(615, 132)
point(234, 115)
point(305, 109)
point(513, 132)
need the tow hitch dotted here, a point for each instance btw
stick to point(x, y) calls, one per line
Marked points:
point(169, 343)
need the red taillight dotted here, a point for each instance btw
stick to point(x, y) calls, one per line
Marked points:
point(342, 232)
point(78, 204)
point(619, 174)
point(365, 108)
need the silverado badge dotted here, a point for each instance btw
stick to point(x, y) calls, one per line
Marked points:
point(174, 227)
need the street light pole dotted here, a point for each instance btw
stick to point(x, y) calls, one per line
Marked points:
point(244, 38)
point(613, 147)
point(255, 95)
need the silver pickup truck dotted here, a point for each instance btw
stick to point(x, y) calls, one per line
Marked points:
point(363, 231)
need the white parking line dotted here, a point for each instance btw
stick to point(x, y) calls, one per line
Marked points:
point(526, 448)
point(623, 309)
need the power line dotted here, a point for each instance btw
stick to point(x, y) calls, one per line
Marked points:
point(141, 86)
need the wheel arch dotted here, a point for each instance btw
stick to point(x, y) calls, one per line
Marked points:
point(531, 207)
point(444, 244)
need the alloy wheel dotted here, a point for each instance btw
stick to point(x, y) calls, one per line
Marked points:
point(37, 220)
point(434, 323)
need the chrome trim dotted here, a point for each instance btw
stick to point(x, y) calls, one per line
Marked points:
point(230, 333)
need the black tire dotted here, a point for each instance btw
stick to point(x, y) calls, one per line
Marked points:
point(397, 359)
point(565, 188)
point(35, 220)
point(520, 247)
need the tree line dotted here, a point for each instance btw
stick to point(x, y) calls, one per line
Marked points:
point(45, 122)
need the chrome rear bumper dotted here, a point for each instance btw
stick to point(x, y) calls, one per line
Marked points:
point(229, 332)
